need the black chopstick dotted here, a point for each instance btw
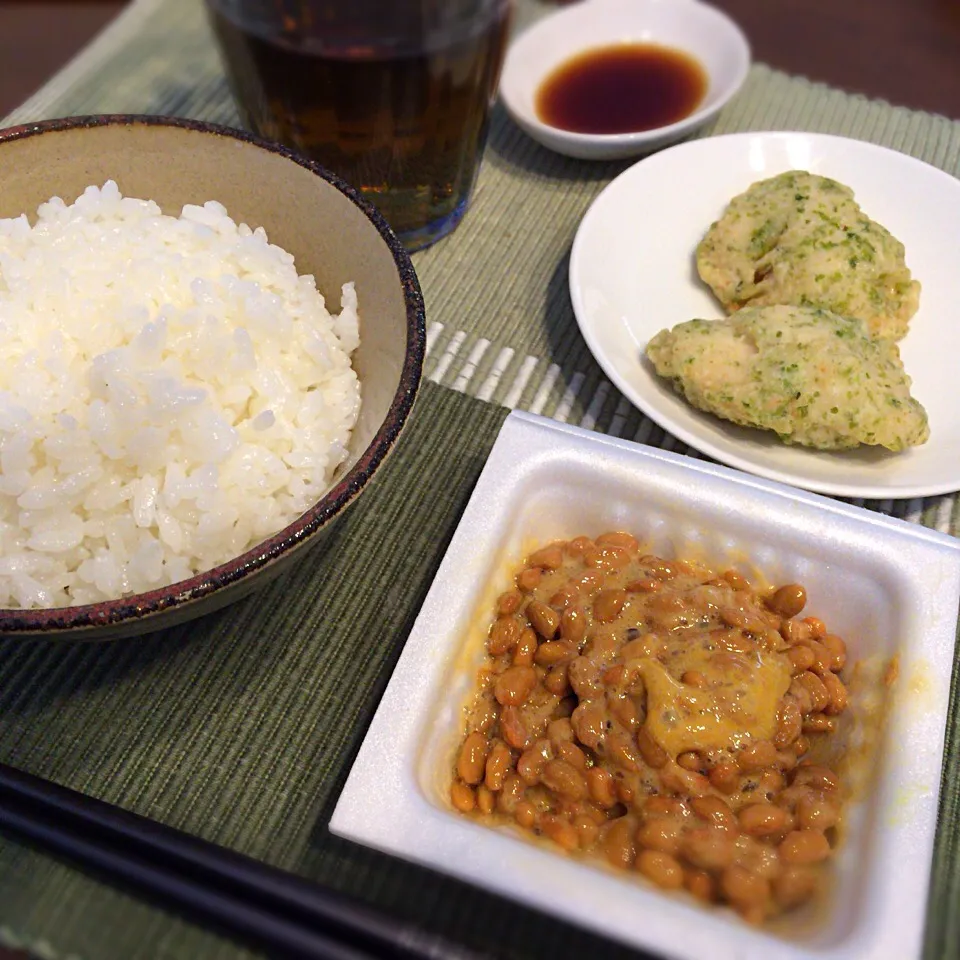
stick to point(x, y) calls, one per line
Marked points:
point(285, 914)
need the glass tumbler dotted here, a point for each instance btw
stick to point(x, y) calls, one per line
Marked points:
point(392, 95)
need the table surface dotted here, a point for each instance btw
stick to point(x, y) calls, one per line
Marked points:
point(904, 51)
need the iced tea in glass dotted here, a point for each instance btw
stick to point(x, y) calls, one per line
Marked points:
point(392, 95)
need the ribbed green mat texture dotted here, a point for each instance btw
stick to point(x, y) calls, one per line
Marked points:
point(241, 727)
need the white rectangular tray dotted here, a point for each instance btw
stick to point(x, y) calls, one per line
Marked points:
point(888, 587)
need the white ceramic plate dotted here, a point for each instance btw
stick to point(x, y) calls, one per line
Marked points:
point(632, 273)
point(888, 587)
point(702, 31)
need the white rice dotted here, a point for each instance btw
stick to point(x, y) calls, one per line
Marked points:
point(171, 393)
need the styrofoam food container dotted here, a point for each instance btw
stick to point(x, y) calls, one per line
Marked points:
point(888, 587)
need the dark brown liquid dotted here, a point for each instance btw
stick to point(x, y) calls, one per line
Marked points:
point(406, 128)
point(624, 88)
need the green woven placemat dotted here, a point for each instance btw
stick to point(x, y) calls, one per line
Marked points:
point(240, 728)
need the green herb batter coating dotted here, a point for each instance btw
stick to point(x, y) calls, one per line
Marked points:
point(802, 239)
point(812, 377)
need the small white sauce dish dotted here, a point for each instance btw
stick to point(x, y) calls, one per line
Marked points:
point(888, 587)
point(698, 29)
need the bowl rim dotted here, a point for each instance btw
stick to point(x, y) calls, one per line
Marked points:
point(51, 621)
point(735, 39)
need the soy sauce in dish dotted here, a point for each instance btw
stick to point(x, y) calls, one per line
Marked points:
point(621, 88)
